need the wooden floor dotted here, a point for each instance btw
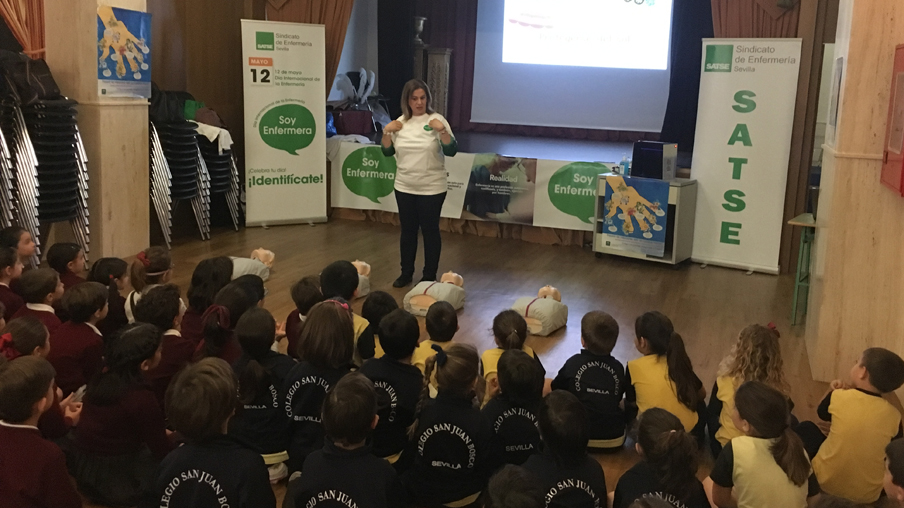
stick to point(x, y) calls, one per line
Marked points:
point(708, 306)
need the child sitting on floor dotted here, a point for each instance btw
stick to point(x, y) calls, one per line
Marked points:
point(509, 332)
point(10, 269)
point(305, 293)
point(210, 469)
point(76, 346)
point(160, 307)
point(153, 266)
point(40, 288)
point(34, 470)
point(209, 277)
point(848, 463)
point(340, 279)
point(598, 380)
point(512, 413)
point(68, 259)
point(442, 324)
point(344, 470)
point(376, 306)
point(114, 274)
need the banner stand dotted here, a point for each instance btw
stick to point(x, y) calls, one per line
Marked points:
point(285, 122)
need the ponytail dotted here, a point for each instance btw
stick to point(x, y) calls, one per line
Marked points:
point(766, 410)
point(510, 330)
point(670, 451)
point(216, 326)
point(150, 267)
point(255, 331)
point(456, 372)
point(656, 328)
point(106, 271)
point(429, 365)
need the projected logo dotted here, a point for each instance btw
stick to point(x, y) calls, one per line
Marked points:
point(718, 58)
point(641, 2)
point(264, 41)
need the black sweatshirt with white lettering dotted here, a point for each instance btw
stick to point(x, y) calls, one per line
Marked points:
point(398, 388)
point(583, 486)
point(264, 423)
point(448, 456)
point(302, 397)
point(354, 478)
point(211, 474)
point(514, 430)
point(599, 382)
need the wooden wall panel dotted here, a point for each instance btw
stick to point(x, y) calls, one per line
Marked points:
point(168, 34)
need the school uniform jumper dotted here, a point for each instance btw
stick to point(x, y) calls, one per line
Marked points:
point(851, 461)
point(176, 354)
point(214, 473)
point(581, 486)
point(641, 481)
point(11, 301)
point(398, 388)
point(70, 279)
point(192, 328)
point(42, 312)
point(33, 471)
point(336, 476)
point(263, 424)
point(599, 382)
point(747, 466)
point(302, 398)
point(76, 352)
point(293, 332)
point(449, 453)
point(514, 429)
point(116, 314)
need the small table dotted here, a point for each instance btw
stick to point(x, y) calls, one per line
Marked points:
point(802, 279)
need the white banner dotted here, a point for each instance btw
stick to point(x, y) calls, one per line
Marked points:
point(742, 145)
point(363, 179)
point(285, 122)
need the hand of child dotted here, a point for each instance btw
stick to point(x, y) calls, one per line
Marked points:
point(280, 330)
point(59, 393)
point(73, 411)
point(825, 427)
point(436, 125)
point(838, 385)
point(492, 388)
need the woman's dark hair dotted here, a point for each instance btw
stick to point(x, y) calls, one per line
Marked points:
point(123, 354)
point(520, 378)
point(9, 237)
point(27, 333)
point(220, 318)
point(255, 331)
point(160, 306)
point(563, 427)
point(209, 277)
point(253, 284)
point(399, 333)
point(201, 398)
point(59, 255)
point(8, 257)
point(408, 90)
point(766, 410)
point(659, 333)
point(670, 451)
point(306, 293)
point(510, 330)
point(149, 267)
point(327, 337)
point(376, 306)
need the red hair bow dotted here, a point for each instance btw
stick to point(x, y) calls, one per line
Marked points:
point(7, 348)
point(222, 314)
point(144, 259)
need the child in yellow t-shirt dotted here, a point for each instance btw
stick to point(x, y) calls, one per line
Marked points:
point(849, 461)
point(442, 324)
point(510, 332)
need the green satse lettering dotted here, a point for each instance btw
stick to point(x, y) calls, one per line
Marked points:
point(736, 162)
point(730, 233)
point(733, 201)
point(741, 134)
point(744, 102)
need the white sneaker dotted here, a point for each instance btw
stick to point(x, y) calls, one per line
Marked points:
point(278, 472)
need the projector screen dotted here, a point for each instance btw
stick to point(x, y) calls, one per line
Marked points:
point(597, 64)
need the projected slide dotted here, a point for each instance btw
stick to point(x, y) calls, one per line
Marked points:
point(624, 34)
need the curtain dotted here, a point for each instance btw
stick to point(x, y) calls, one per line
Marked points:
point(25, 19)
point(755, 18)
point(334, 14)
point(454, 25)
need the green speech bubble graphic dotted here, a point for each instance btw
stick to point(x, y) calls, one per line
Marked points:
point(289, 127)
point(368, 173)
point(572, 189)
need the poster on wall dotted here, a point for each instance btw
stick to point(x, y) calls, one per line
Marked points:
point(364, 179)
point(635, 214)
point(123, 53)
point(566, 192)
point(501, 189)
point(748, 88)
point(285, 141)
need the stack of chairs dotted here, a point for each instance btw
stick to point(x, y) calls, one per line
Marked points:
point(224, 175)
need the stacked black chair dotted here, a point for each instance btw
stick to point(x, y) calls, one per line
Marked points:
point(224, 176)
point(178, 175)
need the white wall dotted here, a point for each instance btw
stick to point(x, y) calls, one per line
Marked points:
point(360, 49)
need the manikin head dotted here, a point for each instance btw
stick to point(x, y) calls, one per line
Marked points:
point(451, 277)
point(550, 292)
point(363, 267)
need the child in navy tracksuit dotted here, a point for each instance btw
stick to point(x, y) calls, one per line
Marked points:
point(344, 471)
point(211, 470)
point(259, 420)
point(512, 414)
point(449, 450)
point(598, 380)
point(398, 383)
point(326, 346)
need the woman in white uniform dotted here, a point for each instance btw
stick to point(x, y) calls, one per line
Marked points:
point(420, 140)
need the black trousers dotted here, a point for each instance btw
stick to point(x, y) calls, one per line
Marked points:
point(417, 212)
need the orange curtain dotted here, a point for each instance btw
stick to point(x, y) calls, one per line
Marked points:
point(25, 19)
point(334, 14)
point(755, 18)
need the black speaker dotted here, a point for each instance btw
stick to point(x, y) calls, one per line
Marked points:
point(653, 159)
